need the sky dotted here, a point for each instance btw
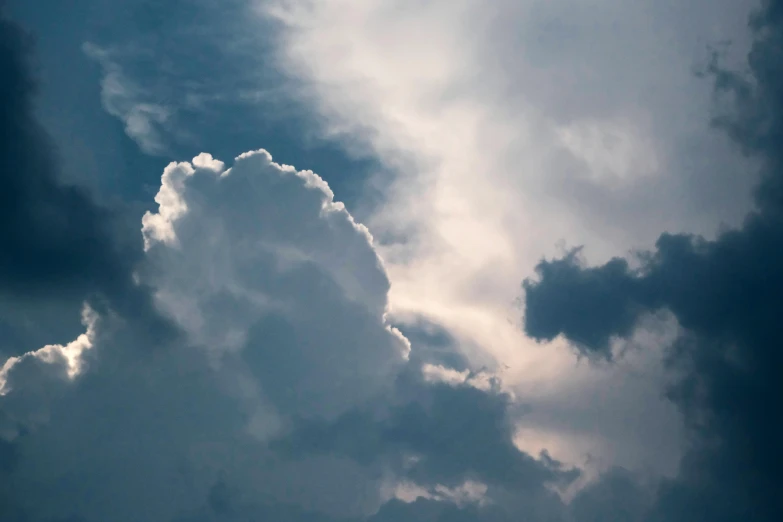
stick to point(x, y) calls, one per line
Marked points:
point(391, 260)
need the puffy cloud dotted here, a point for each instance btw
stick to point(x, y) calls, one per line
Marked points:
point(287, 396)
point(280, 298)
point(261, 259)
point(68, 356)
point(142, 428)
point(116, 442)
point(725, 294)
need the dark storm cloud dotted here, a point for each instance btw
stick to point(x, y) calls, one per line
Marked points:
point(436, 435)
point(456, 433)
point(57, 244)
point(726, 294)
point(588, 305)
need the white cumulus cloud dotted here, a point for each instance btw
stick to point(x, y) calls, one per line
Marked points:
point(281, 302)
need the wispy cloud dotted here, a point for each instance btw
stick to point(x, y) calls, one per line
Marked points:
point(145, 121)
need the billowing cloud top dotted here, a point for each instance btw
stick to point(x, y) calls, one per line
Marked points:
point(260, 259)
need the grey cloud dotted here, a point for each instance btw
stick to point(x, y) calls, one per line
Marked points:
point(455, 433)
point(181, 434)
point(588, 305)
point(291, 324)
point(434, 344)
point(115, 444)
point(725, 293)
point(132, 440)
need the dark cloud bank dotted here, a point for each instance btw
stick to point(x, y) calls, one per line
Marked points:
point(727, 294)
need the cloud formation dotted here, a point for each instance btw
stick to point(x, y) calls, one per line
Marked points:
point(725, 294)
point(287, 394)
point(283, 391)
point(281, 301)
point(261, 256)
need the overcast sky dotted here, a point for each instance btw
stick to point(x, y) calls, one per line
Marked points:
point(391, 260)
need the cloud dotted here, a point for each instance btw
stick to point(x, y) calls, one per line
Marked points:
point(725, 294)
point(281, 301)
point(440, 435)
point(69, 357)
point(146, 122)
point(286, 396)
point(588, 306)
point(292, 280)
